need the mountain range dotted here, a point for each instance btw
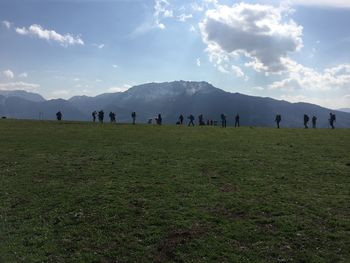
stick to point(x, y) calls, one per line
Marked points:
point(170, 99)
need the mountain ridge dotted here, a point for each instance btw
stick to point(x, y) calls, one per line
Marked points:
point(172, 99)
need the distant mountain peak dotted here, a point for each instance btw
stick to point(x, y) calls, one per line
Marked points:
point(22, 94)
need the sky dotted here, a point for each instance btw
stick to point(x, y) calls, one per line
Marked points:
point(292, 50)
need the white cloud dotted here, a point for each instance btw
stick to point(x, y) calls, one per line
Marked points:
point(8, 74)
point(252, 31)
point(50, 35)
point(184, 17)
point(76, 79)
point(333, 103)
point(161, 10)
point(123, 88)
point(237, 71)
point(192, 28)
point(300, 77)
point(114, 66)
point(327, 3)
point(23, 75)
point(98, 80)
point(198, 62)
point(6, 24)
point(100, 46)
point(18, 86)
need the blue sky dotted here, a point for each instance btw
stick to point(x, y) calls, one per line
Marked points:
point(293, 50)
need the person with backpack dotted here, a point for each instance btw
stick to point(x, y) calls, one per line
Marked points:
point(306, 121)
point(332, 119)
point(278, 119)
point(201, 121)
point(191, 118)
point(59, 115)
point(133, 116)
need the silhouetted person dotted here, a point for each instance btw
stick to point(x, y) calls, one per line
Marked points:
point(133, 116)
point(332, 120)
point(223, 120)
point(314, 120)
point(101, 116)
point(159, 119)
point(112, 116)
point(200, 119)
point(278, 120)
point(208, 122)
point(306, 121)
point(237, 120)
point(181, 119)
point(94, 114)
point(211, 122)
point(59, 115)
point(191, 118)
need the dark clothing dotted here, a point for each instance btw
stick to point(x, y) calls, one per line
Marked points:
point(133, 116)
point(181, 119)
point(314, 119)
point(112, 116)
point(59, 116)
point(223, 120)
point(278, 120)
point(306, 120)
point(191, 118)
point(94, 113)
point(332, 120)
point(159, 119)
point(237, 121)
point(101, 116)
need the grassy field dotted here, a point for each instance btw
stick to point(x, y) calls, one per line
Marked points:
point(83, 192)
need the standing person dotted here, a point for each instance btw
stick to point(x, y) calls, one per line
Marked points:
point(314, 119)
point(112, 116)
point(181, 119)
point(306, 120)
point(237, 120)
point(101, 116)
point(94, 114)
point(223, 120)
point(278, 119)
point(191, 118)
point(133, 116)
point(159, 120)
point(59, 115)
point(332, 120)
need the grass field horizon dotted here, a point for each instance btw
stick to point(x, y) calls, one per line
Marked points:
point(85, 192)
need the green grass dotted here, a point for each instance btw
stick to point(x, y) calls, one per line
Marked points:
point(83, 192)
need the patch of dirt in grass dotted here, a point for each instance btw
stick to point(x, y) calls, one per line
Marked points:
point(168, 245)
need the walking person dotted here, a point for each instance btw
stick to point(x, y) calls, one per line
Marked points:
point(133, 116)
point(181, 119)
point(306, 121)
point(237, 121)
point(101, 116)
point(159, 119)
point(94, 114)
point(332, 119)
point(278, 119)
point(223, 120)
point(191, 118)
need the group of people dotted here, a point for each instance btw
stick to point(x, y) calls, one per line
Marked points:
point(201, 122)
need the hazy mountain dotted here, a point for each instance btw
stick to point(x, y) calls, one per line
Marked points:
point(16, 107)
point(22, 94)
point(175, 98)
point(344, 110)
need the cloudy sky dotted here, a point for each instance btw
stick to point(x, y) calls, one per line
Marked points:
point(294, 50)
